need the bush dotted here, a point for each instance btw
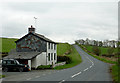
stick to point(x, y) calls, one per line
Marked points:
point(64, 58)
point(96, 50)
point(107, 55)
point(104, 55)
point(110, 51)
point(44, 67)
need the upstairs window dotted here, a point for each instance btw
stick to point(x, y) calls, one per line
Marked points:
point(51, 46)
point(48, 56)
point(48, 45)
point(54, 46)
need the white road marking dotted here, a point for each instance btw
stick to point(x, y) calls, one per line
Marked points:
point(85, 69)
point(28, 79)
point(90, 61)
point(61, 81)
point(76, 74)
point(90, 66)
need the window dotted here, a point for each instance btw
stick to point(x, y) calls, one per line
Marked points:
point(4, 62)
point(54, 56)
point(8, 62)
point(12, 62)
point(54, 47)
point(51, 56)
point(51, 46)
point(48, 56)
point(48, 45)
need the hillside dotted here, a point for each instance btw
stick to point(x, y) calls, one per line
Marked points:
point(7, 44)
point(62, 48)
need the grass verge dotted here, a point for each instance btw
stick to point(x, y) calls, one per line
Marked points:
point(2, 76)
point(76, 59)
point(115, 73)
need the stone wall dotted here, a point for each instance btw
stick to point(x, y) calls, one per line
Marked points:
point(59, 64)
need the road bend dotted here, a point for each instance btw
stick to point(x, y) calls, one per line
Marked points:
point(90, 69)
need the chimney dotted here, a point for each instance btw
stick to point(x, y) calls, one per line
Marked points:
point(31, 29)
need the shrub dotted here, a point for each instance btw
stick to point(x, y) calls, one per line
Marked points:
point(110, 51)
point(104, 55)
point(44, 67)
point(108, 55)
point(96, 50)
point(64, 58)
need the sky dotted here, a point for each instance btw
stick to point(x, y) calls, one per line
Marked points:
point(61, 21)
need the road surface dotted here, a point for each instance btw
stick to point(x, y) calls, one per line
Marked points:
point(90, 69)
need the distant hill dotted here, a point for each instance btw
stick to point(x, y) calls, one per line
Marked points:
point(7, 44)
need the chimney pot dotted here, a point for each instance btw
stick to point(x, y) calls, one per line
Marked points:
point(31, 29)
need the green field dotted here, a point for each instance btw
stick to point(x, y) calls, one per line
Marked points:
point(7, 44)
point(62, 48)
point(104, 50)
point(74, 55)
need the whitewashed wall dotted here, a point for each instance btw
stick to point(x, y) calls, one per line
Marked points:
point(39, 60)
point(51, 51)
point(42, 59)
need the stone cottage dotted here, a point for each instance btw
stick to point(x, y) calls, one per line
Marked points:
point(35, 50)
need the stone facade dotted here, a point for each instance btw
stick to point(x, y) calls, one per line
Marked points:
point(31, 43)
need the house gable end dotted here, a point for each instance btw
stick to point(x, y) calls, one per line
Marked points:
point(29, 43)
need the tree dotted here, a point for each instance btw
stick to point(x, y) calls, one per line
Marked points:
point(100, 43)
point(87, 41)
point(96, 50)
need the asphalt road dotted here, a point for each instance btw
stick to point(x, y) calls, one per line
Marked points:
point(90, 69)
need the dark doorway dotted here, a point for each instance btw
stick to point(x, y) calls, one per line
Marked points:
point(23, 61)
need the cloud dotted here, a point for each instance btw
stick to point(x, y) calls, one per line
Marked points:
point(61, 22)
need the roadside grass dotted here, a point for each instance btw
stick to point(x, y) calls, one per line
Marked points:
point(114, 68)
point(44, 67)
point(115, 73)
point(76, 59)
point(7, 44)
point(2, 76)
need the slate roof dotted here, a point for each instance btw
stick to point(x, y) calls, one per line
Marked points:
point(37, 35)
point(43, 37)
point(22, 55)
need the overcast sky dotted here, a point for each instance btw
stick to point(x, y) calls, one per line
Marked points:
point(63, 21)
